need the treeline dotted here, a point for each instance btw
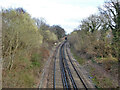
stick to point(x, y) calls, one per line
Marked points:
point(26, 43)
point(96, 44)
point(99, 34)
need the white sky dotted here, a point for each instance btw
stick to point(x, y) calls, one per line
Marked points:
point(66, 13)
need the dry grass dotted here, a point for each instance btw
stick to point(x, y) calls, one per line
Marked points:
point(100, 76)
point(103, 71)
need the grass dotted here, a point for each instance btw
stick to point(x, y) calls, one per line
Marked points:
point(27, 79)
point(100, 80)
point(17, 78)
point(78, 58)
point(36, 60)
point(93, 60)
point(106, 59)
point(110, 64)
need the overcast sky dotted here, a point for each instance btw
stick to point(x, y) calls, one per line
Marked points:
point(66, 13)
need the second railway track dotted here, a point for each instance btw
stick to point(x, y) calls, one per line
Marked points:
point(66, 73)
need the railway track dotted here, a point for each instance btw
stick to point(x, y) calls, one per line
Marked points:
point(67, 73)
point(67, 69)
point(73, 65)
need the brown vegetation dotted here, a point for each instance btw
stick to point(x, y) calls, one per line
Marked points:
point(96, 41)
point(26, 46)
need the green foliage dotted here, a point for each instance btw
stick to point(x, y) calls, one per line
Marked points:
point(19, 31)
point(59, 31)
point(36, 59)
point(47, 31)
point(80, 60)
point(96, 34)
point(23, 52)
point(112, 12)
point(49, 36)
point(28, 80)
point(97, 40)
point(84, 42)
point(25, 70)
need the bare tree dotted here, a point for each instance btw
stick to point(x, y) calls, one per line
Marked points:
point(111, 10)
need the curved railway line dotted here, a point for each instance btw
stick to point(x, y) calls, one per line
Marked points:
point(66, 68)
point(66, 74)
point(63, 71)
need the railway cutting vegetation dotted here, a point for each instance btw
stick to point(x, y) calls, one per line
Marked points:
point(27, 43)
point(96, 44)
point(37, 55)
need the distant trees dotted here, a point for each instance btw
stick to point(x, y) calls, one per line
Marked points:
point(56, 29)
point(59, 31)
point(49, 37)
point(41, 24)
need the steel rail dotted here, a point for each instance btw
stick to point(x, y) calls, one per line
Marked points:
point(64, 77)
point(68, 69)
point(76, 70)
point(56, 51)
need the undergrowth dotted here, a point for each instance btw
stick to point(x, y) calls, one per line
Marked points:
point(97, 67)
point(78, 58)
point(26, 69)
